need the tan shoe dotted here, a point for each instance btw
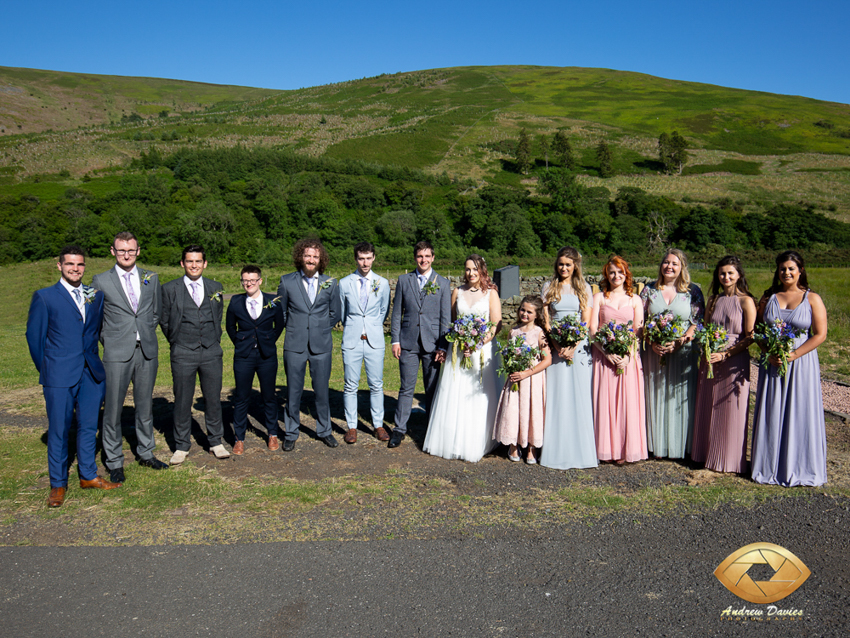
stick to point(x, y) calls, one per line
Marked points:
point(381, 434)
point(239, 448)
point(178, 457)
point(219, 451)
point(274, 443)
point(57, 497)
point(350, 436)
point(98, 483)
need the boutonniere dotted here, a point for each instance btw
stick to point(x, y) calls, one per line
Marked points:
point(326, 284)
point(147, 278)
point(89, 293)
point(216, 296)
point(430, 288)
point(272, 303)
point(376, 286)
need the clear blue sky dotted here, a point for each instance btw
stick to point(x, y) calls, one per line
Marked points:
point(795, 48)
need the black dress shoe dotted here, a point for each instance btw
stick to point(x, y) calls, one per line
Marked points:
point(288, 445)
point(330, 441)
point(395, 439)
point(116, 475)
point(153, 463)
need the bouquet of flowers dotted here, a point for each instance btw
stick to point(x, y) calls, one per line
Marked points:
point(469, 331)
point(516, 357)
point(616, 338)
point(778, 340)
point(663, 328)
point(711, 338)
point(568, 332)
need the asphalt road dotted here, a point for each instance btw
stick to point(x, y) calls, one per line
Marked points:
point(620, 575)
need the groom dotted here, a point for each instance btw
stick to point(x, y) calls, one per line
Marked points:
point(420, 318)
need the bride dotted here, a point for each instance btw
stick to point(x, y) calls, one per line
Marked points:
point(461, 423)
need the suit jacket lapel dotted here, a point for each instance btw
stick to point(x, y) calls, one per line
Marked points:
point(116, 281)
point(299, 281)
point(63, 292)
point(419, 295)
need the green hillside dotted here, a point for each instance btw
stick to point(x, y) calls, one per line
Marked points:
point(744, 145)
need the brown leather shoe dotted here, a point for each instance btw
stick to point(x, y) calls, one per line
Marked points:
point(274, 443)
point(238, 448)
point(98, 483)
point(350, 436)
point(57, 497)
point(382, 435)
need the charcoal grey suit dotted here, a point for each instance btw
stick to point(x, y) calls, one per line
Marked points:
point(419, 323)
point(128, 358)
point(195, 337)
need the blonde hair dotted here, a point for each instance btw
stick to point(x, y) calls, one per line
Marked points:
point(683, 281)
point(577, 283)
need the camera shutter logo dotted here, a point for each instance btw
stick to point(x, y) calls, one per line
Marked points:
point(789, 573)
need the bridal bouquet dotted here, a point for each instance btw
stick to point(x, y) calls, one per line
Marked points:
point(468, 331)
point(568, 332)
point(778, 339)
point(711, 338)
point(516, 357)
point(616, 338)
point(663, 328)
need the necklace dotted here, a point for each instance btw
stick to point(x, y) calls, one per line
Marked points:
point(474, 289)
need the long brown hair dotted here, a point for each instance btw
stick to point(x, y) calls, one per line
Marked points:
point(537, 302)
point(622, 264)
point(483, 276)
point(797, 258)
point(304, 244)
point(741, 285)
point(577, 283)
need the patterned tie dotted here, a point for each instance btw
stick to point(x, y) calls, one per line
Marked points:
point(134, 301)
point(422, 280)
point(252, 308)
point(311, 288)
point(364, 293)
point(80, 305)
point(196, 296)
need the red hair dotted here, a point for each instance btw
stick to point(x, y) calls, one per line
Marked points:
point(622, 264)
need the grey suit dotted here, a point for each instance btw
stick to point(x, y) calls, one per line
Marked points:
point(195, 337)
point(128, 358)
point(419, 324)
point(308, 339)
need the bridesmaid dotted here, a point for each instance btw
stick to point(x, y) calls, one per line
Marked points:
point(722, 407)
point(789, 434)
point(568, 440)
point(671, 387)
point(618, 399)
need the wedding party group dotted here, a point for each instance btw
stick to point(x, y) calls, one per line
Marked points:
point(580, 378)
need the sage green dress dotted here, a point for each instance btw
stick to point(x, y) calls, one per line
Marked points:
point(671, 388)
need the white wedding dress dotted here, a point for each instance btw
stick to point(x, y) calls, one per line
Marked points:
point(464, 411)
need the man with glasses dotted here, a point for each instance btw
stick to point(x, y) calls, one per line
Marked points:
point(131, 310)
point(254, 322)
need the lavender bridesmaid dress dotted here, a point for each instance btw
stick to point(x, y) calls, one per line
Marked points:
point(789, 434)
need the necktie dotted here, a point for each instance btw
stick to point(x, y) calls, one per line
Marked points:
point(311, 288)
point(364, 293)
point(422, 280)
point(196, 295)
point(134, 301)
point(252, 308)
point(80, 306)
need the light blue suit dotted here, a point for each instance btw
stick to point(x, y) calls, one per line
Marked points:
point(357, 351)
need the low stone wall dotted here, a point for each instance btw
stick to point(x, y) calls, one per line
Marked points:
point(527, 286)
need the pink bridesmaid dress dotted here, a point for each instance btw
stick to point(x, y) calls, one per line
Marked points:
point(619, 406)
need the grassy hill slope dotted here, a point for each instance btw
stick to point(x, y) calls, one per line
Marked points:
point(746, 143)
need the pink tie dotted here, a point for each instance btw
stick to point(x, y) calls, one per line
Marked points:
point(134, 302)
point(254, 313)
point(195, 293)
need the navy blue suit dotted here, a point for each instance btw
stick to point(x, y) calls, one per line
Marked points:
point(63, 348)
point(255, 342)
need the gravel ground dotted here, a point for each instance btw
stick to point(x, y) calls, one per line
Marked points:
point(836, 396)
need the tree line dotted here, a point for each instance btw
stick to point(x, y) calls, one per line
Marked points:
point(252, 205)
